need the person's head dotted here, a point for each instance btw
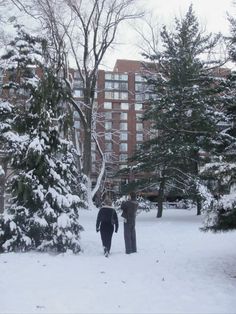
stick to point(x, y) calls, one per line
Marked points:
point(107, 201)
point(133, 196)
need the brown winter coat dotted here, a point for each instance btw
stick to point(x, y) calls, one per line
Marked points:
point(129, 211)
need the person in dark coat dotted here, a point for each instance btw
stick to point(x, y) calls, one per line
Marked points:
point(107, 220)
point(129, 211)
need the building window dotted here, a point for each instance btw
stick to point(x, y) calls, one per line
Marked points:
point(139, 96)
point(123, 96)
point(123, 77)
point(138, 106)
point(124, 126)
point(116, 85)
point(109, 85)
point(124, 136)
point(123, 86)
point(78, 93)
point(116, 77)
point(77, 75)
point(93, 146)
point(124, 106)
point(149, 96)
point(107, 105)
point(116, 95)
point(108, 125)
point(94, 168)
point(139, 116)
point(78, 84)
point(139, 127)
point(109, 95)
point(108, 115)
point(123, 115)
point(139, 78)
point(108, 156)
point(108, 136)
point(139, 137)
point(108, 146)
point(93, 155)
point(108, 76)
point(123, 157)
point(123, 147)
point(139, 87)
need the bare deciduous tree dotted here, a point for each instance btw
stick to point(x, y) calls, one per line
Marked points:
point(83, 30)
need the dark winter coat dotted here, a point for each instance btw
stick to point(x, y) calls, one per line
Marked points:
point(107, 214)
point(129, 211)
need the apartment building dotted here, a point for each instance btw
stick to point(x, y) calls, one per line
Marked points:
point(120, 101)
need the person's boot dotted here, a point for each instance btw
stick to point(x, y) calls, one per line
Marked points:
point(106, 253)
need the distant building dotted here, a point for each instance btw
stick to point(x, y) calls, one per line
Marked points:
point(120, 102)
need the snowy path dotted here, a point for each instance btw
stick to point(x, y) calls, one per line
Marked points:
point(177, 269)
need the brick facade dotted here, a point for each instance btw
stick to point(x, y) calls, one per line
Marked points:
point(120, 105)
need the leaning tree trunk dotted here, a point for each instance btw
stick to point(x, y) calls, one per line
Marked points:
point(160, 198)
point(87, 151)
point(87, 160)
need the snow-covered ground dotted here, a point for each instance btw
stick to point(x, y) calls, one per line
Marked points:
point(178, 269)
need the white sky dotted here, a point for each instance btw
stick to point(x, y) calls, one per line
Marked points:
point(212, 15)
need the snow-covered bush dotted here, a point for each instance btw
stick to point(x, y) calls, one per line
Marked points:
point(221, 214)
point(143, 204)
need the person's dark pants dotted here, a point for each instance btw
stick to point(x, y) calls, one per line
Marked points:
point(106, 231)
point(130, 238)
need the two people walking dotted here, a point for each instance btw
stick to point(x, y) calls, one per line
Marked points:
point(107, 222)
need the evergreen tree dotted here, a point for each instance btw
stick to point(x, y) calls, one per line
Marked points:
point(185, 109)
point(43, 213)
point(6, 113)
point(221, 215)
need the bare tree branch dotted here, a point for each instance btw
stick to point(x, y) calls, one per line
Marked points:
point(82, 31)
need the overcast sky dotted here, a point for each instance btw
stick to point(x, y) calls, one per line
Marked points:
point(212, 15)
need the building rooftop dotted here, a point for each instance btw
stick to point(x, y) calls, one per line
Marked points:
point(123, 65)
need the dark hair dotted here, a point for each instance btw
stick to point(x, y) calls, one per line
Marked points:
point(133, 195)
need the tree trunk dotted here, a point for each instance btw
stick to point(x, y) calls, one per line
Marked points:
point(2, 187)
point(2, 190)
point(78, 151)
point(160, 198)
point(199, 206)
point(87, 158)
point(196, 172)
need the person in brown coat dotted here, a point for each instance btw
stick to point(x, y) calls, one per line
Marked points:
point(129, 210)
point(106, 221)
